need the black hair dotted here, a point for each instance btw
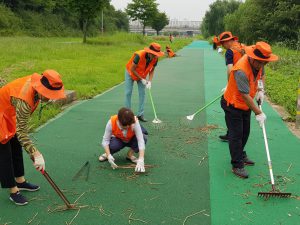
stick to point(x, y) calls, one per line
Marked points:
point(126, 116)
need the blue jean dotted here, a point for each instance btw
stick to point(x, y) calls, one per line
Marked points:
point(128, 93)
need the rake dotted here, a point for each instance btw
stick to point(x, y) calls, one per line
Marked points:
point(191, 117)
point(274, 192)
point(58, 191)
point(157, 122)
point(56, 188)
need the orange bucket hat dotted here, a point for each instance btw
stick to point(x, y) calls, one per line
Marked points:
point(154, 49)
point(261, 51)
point(49, 84)
point(227, 36)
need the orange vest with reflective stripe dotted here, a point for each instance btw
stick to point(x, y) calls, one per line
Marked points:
point(117, 132)
point(20, 88)
point(232, 94)
point(141, 66)
point(238, 51)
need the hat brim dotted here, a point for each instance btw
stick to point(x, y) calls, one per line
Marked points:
point(235, 38)
point(159, 54)
point(250, 53)
point(41, 89)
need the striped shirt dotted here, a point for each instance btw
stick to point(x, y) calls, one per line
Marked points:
point(23, 113)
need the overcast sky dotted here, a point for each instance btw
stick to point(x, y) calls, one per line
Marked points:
point(193, 10)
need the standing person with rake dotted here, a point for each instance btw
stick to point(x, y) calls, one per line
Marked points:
point(124, 130)
point(18, 100)
point(245, 81)
point(141, 64)
point(234, 51)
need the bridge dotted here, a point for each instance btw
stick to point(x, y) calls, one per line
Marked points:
point(181, 27)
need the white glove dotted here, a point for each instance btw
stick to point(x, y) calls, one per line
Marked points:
point(140, 166)
point(111, 160)
point(148, 85)
point(39, 162)
point(144, 81)
point(261, 118)
point(260, 96)
point(224, 89)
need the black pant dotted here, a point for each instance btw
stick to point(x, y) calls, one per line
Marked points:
point(238, 124)
point(11, 162)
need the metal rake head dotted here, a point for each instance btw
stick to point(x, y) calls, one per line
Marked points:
point(267, 195)
point(190, 117)
point(156, 121)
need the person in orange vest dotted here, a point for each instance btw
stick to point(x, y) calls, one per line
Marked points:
point(124, 130)
point(216, 42)
point(234, 51)
point(245, 81)
point(141, 64)
point(169, 52)
point(18, 100)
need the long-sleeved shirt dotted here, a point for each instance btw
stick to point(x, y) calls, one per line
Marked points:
point(23, 113)
point(136, 129)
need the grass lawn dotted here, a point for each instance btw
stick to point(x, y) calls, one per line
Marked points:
point(89, 69)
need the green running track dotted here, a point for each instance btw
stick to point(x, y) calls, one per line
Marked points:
point(191, 181)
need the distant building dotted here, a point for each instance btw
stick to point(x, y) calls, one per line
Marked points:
point(189, 28)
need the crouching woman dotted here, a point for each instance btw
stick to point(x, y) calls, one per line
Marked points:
point(124, 130)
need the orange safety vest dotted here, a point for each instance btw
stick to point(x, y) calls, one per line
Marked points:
point(170, 53)
point(117, 132)
point(20, 88)
point(141, 66)
point(238, 51)
point(232, 94)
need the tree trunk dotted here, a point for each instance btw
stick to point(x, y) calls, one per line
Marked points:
point(144, 30)
point(157, 32)
point(84, 29)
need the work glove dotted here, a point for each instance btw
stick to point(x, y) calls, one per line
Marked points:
point(261, 118)
point(111, 160)
point(39, 162)
point(144, 81)
point(148, 85)
point(140, 166)
point(260, 97)
point(224, 89)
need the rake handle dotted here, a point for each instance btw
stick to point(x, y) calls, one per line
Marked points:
point(55, 187)
point(267, 151)
point(208, 104)
point(151, 99)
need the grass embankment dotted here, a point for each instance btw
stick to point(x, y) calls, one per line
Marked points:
point(282, 79)
point(89, 69)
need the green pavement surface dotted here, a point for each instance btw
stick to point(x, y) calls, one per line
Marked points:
point(190, 182)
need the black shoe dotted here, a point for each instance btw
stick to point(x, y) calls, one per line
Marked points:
point(224, 137)
point(248, 162)
point(141, 118)
point(18, 199)
point(240, 172)
point(25, 186)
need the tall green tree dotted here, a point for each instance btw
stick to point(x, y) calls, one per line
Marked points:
point(114, 20)
point(142, 10)
point(272, 21)
point(87, 11)
point(213, 22)
point(159, 21)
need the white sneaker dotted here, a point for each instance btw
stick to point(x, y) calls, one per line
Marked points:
point(102, 157)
